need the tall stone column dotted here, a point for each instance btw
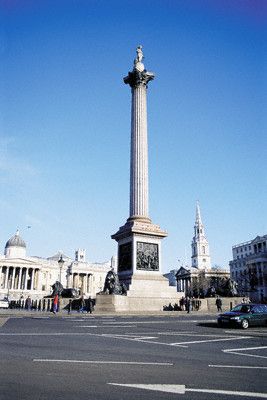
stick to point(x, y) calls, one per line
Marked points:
point(32, 279)
point(12, 279)
point(20, 276)
point(6, 278)
point(138, 80)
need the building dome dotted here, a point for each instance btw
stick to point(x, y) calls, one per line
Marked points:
point(16, 241)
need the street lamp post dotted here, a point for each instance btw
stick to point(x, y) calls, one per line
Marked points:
point(60, 264)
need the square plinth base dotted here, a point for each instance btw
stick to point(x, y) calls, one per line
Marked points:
point(144, 295)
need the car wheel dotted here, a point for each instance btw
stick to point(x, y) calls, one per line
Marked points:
point(244, 323)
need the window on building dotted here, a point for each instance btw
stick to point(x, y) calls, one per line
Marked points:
point(203, 249)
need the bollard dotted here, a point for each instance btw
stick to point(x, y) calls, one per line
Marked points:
point(48, 305)
point(43, 304)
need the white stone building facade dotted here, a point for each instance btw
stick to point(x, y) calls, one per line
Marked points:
point(249, 268)
point(22, 276)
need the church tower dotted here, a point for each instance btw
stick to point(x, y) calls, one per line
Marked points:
point(200, 245)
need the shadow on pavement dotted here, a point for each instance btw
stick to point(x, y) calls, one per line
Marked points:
point(208, 324)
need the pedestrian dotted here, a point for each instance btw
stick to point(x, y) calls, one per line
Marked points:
point(55, 304)
point(218, 303)
point(182, 303)
point(188, 304)
point(82, 304)
point(69, 308)
point(28, 303)
point(90, 305)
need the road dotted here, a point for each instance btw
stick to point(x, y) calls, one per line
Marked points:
point(130, 357)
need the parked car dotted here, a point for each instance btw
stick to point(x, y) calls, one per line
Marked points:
point(244, 315)
point(4, 303)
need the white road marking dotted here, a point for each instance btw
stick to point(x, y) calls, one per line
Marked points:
point(246, 355)
point(100, 362)
point(230, 393)
point(250, 332)
point(240, 351)
point(138, 340)
point(236, 366)
point(88, 326)
point(101, 326)
point(133, 337)
point(136, 322)
point(192, 334)
point(211, 340)
point(245, 349)
point(49, 334)
point(181, 389)
point(77, 320)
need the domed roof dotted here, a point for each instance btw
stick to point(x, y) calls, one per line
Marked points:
point(16, 240)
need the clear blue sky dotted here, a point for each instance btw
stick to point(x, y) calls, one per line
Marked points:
point(65, 122)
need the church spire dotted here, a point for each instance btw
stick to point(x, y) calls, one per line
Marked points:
point(200, 245)
point(198, 215)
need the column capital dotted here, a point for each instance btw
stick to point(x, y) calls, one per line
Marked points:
point(138, 78)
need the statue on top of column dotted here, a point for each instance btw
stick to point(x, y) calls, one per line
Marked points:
point(139, 56)
point(138, 65)
point(139, 75)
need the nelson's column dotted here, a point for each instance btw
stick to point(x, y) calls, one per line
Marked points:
point(139, 240)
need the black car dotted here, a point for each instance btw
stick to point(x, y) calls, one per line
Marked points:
point(245, 315)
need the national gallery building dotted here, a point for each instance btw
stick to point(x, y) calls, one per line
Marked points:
point(21, 275)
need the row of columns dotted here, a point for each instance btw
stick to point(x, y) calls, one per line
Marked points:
point(183, 284)
point(81, 281)
point(19, 278)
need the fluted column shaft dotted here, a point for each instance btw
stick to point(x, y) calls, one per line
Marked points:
point(139, 154)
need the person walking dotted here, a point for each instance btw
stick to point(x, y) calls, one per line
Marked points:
point(182, 303)
point(90, 305)
point(55, 304)
point(70, 306)
point(28, 303)
point(188, 304)
point(82, 304)
point(218, 303)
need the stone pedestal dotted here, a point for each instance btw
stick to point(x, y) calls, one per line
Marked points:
point(146, 294)
point(139, 250)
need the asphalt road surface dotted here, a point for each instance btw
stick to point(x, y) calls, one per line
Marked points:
point(132, 357)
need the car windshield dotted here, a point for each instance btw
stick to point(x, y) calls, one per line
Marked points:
point(241, 308)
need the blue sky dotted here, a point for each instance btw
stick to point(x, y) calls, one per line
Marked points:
point(65, 122)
